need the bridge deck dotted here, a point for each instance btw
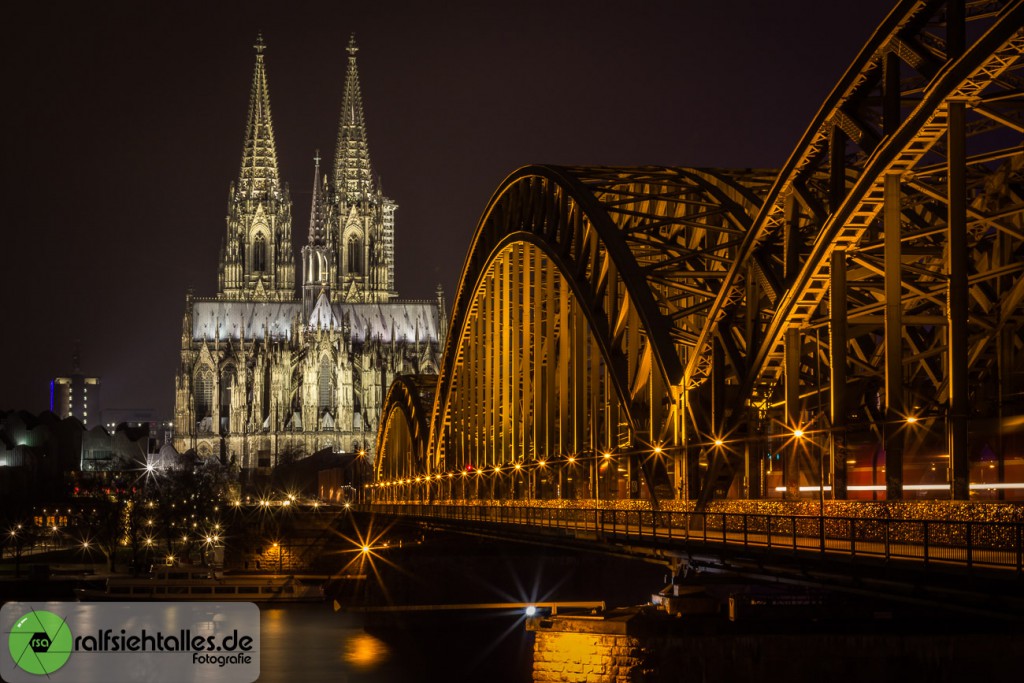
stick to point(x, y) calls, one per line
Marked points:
point(951, 543)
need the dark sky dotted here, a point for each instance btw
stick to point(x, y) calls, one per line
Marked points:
point(123, 125)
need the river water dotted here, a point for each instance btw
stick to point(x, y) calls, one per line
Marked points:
point(312, 643)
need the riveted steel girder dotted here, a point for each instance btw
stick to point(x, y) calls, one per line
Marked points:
point(892, 107)
point(640, 253)
point(402, 437)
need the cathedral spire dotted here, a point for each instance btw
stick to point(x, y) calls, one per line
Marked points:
point(352, 174)
point(259, 174)
point(257, 262)
point(317, 232)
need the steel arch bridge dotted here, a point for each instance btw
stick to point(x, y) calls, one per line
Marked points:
point(851, 323)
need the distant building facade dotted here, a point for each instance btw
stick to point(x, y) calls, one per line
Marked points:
point(161, 431)
point(268, 372)
point(76, 395)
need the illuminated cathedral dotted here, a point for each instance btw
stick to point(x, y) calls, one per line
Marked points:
point(270, 372)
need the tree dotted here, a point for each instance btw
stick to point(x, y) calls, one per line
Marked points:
point(101, 521)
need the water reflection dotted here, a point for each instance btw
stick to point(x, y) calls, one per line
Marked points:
point(313, 643)
point(364, 652)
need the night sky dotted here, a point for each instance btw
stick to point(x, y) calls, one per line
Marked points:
point(123, 126)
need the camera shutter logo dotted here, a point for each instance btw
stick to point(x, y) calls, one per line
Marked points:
point(40, 642)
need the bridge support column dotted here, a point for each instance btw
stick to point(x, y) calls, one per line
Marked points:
point(753, 443)
point(792, 454)
point(717, 407)
point(957, 304)
point(837, 364)
point(895, 413)
point(691, 456)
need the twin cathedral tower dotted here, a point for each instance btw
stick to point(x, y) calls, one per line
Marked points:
point(267, 374)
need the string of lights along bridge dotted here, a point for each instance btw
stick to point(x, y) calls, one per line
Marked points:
point(846, 327)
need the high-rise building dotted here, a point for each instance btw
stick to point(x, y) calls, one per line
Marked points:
point(76, 395)
point(268, 373)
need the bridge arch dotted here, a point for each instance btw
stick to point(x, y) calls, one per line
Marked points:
point(916, 143)
point(402, 438)
point(863, 304)
point(582, 290)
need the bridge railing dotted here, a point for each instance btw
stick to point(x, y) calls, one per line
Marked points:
point(998, 545)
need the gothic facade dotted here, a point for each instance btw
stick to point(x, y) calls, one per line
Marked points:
point(268, 371)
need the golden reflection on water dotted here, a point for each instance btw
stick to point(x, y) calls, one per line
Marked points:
point(363, 651)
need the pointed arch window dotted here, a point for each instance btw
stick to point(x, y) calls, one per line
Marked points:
point(204, 394)
point(268, 380)
point(355, 255)
point(326, 385)
point(227, 382)
point(259, 254)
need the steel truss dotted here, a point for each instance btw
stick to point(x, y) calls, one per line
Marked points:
point(698, 321)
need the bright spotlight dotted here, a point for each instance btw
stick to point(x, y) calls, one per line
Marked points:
point(530, 610)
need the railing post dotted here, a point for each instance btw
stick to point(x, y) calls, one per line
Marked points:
point(853, 537)
point(925, 558)
point(768, 522)
point(745, 529)
point(970, 549)
point(888, 521)
point(821, 531)
point(792, 528)
point(1020, 554)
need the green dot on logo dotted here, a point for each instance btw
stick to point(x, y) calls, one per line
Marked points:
point(40, 642)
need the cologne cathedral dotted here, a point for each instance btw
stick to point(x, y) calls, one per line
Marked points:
point(268, 372)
